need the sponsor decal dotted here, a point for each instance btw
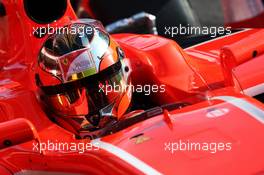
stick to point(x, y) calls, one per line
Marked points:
point(77, 65)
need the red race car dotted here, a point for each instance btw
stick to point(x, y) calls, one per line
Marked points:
point(208, 118)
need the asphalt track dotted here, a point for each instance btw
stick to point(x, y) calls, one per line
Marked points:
point(209, 12)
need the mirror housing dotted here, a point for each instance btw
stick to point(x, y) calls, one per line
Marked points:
point(15, 132)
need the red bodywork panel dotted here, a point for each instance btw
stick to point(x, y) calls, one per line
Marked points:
point(217, 112)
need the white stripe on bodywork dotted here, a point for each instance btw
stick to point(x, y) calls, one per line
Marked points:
point(245, 106)
point(125, 156)
point(255, 90)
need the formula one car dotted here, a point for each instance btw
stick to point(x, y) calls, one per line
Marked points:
point(209, 120)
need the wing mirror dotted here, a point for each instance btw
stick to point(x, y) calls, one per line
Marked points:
point(15, 132)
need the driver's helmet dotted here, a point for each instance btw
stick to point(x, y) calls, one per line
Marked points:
point(82, 74)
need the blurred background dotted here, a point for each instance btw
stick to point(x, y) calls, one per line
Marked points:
point(153, 16)
point(209, 12)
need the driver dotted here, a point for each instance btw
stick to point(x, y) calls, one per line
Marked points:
point(76, 66)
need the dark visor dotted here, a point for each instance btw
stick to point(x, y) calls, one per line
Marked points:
point(91, 81)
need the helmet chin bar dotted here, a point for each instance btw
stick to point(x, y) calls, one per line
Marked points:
point(102, 117)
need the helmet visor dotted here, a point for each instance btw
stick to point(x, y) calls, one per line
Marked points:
point(89, 95)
